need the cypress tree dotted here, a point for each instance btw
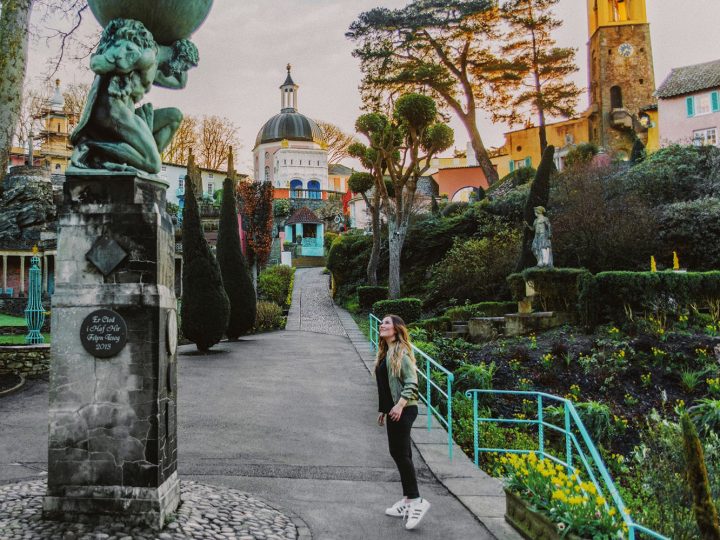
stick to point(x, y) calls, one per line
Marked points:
point(637, 154)
point(205, 305)
point(697, 476)
point(539, 196)
point(235, 273)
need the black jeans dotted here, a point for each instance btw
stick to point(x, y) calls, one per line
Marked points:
point(401, 449)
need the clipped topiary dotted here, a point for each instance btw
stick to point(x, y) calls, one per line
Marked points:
point(205, 306)
point(368, 295)
point(408, 309)
point(235, 272)
point(697, 476)
point(539, 196)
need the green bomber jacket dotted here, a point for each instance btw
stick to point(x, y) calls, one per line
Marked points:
point(406, 385)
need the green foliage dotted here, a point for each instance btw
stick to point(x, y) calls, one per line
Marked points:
point(269, 316)
point(539, 196)
point(559, 288)
point(329, 238)
point(348, 260)
point(597, 419)
point(481, 309)
point(205, 306)
point(454, 208)
point(475, 376)
point(675, 173)
point(706, 514)
point(516, 178)
point(361, 182)
point(616, 295)
point(638, 153)
point(274, 284)
point(235, 273)
point(281, 208)
point(368, 295)
point(581, 154)
point(691, 228)
point(474, 269)
point(510, 205)
point(706, 415)
point(172, 208)
point(408, 309)
point(434, 324)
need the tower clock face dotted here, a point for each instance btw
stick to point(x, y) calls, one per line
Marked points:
point(625, 49)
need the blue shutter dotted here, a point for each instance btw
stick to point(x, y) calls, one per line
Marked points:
point(690, 103)
point(528, 162)
point(715, 101)
point(512, 165)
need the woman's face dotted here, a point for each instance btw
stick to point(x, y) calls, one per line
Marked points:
point(387, 328)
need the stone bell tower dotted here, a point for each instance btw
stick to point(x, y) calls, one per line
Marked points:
point(622, 79)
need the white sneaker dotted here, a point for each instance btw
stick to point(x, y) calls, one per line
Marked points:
point(398, 509)
point(416, 512)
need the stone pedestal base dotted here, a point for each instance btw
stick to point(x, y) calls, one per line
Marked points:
point(112, 448)
point(147, 507)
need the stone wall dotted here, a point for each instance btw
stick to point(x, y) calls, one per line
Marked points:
point(27, 360)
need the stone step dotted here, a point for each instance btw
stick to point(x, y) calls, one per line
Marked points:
point(455, 335)
point(461, 328)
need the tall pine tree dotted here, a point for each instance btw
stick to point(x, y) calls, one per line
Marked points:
point(205, 305)
point(539, 196)
point(235, 273)
point(542, 86)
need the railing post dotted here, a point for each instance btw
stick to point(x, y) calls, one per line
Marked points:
point(541, 427)
point(428, 403)
point(449, 417)
point(568, 443)
point(476, 438)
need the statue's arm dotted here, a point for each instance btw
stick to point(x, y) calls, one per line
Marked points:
point(175, 81)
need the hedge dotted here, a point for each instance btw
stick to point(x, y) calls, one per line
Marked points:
point(368, 295)
point(408, 309)
point(559, 288)
point(615, 295)
point(482, 309)
point(436, 324)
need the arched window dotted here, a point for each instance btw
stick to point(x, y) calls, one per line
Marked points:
point(620, 10)
point(296, 188)
point(616, 101)
point(314, 189)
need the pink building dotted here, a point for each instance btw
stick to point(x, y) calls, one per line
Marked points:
point(689, 105)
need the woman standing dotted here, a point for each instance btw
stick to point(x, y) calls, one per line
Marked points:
point(398, 393)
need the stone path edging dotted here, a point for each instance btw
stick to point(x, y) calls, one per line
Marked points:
point(15, 388)
point(480, 493)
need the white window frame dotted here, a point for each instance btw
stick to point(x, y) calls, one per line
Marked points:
point(700, 101)
point(211, 188)
point(705, 137)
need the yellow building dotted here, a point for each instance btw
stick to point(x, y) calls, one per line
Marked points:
point(620, 90)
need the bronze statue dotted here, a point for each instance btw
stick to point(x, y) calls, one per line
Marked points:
point(114, 133)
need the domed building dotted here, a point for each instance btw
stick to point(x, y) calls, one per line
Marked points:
point(289, 151)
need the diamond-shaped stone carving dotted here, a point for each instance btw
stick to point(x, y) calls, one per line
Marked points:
point(106, 254)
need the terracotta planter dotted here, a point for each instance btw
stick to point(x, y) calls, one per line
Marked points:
point(530, 524)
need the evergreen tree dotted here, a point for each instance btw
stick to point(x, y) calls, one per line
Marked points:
point(235, 273)
point(637, 154)
point(543, 68)
point(539, 196)
point(205, 305)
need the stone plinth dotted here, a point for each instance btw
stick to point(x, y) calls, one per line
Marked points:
point(112, 435)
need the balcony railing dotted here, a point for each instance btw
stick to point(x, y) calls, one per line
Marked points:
point(316, 194)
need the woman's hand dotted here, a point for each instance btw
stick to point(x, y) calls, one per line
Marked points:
point(396, 412)
point(381, 419)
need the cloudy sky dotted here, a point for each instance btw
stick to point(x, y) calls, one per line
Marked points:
point(246, 44)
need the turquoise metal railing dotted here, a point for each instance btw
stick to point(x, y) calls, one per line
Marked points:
point(34, 312)
point(426, 367)
point(589, 456)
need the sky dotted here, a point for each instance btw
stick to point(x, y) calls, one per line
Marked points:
point(246, 44)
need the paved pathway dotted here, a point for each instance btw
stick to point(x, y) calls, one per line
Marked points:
point(287, 416)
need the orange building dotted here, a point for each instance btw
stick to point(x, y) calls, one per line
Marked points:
point(459, 182)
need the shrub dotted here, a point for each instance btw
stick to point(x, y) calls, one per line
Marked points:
point(348, 260)
point(454, 208)
point(329, 238)
point(475, 376)
point(281, 208)
point(706, 415)
point(596, 418)
point(409, 309)
point(558, 287)
point(616, 295)
point(581, 154)
point(368, 295)
point(474, 269)
point(269, 316)
point(691, 229)
point(436, 324)
point(481, 309)
point(274, 284)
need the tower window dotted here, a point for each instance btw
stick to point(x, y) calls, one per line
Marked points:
point(642, 81)
point(616, 101)
point(619, 10)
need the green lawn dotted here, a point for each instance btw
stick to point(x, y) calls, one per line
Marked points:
point(18, 339)
point(9, 320)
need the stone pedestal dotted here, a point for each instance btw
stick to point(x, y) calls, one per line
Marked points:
point(112, 435)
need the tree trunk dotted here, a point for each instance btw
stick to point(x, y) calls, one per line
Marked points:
point(374, 261)
point(396, 241)
point(480, 151)
point(14, 28)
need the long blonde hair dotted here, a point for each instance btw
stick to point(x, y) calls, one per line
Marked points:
point(399, 347)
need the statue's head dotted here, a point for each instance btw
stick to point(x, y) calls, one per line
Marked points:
point(539, 210)
point(126, 32)
point(185, 56)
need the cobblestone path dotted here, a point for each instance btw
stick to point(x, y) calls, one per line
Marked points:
point(312, 307)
